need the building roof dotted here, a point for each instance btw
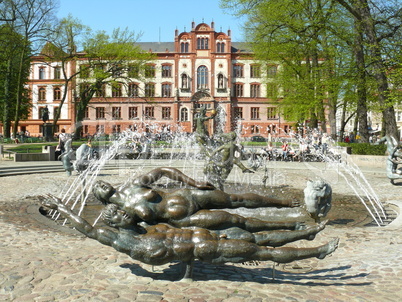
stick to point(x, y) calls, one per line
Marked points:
point(159, 47)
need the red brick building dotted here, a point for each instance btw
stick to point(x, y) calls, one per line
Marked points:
point(201, 66)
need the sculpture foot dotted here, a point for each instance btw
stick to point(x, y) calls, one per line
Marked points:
point(392, 181)
point(328, 248)
point(316, 229)
point(294, 203)
point(300, 226)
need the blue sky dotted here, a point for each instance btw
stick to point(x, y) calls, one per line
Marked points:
point(156, 19)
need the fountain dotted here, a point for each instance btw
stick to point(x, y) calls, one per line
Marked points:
point(219, 222)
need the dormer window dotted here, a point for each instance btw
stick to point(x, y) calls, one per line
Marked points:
point(184, 47)
point(202, 43)
point(220, 47)
point(42, 73)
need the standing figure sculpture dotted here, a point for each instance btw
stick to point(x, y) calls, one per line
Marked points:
point(162, 244)
point(221, 160)
point(45, 115)
point(67, 156)
point(188, 207)
point(394, 156)
point(201, 131)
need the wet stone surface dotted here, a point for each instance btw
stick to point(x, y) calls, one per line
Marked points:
point(42, 261)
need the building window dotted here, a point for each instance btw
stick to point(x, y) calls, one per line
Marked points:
point(271, 113)
point(202, 77)
point(85, 130)
point(184, 81)
point(116, 113)
point(202, 43)
point(116, 129)
point(101, 93)
point(84, 71)
point(149, 112)
point(57, 73)
point(116, 90)
point(184, 115)
point(149, 90)
point(57, 94)
point(238, 112)
point(255, 113)
point(117, 70)
point(238, 90)
point(220, 47)
point(166, 90)
point(166, 71)
point(84, 90)
point(255, 90)
point(100, 129)
point(150, 71)
point(100, 113)
point(272, 90)
point(255, 71)
point(55, 110)
point(132, 112)
point(166, 113)
point(238, 71)
point(255, 129)
point(271, 71)
point(184, 46)
point(86, 113)
point(133, 71)
point(133, 90)
point(42, 94)
point(41, 111)
point(42, 73)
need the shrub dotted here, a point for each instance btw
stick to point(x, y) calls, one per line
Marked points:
point(365, 148)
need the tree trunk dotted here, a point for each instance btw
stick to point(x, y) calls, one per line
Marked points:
point(379, 69)
point(7, 97)
point(361, 88)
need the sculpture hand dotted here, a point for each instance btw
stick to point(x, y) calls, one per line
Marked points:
point(205, 186)
point(51, 201)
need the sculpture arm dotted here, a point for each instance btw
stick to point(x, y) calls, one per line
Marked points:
point(174, 174)
point(104, 236)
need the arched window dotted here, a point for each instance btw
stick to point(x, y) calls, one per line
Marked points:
point(57, 94)
point(184, 47)
point(202, 43)
point(202, 77)
point(220, 47)
point(42, 94)
point(42, 73)
point(132, 90)
point(184, 114)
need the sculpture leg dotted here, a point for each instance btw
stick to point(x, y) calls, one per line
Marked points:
point(187, 270)
point(251, 200)
point(279, 238)
point(241, 251)
point(219, 220)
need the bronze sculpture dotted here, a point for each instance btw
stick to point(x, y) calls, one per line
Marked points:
point(394, 158)
point(221, 160)
point(162, 244)
point(188, 207)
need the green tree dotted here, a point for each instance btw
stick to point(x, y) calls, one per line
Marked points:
point(31, 20)
point(108, 59)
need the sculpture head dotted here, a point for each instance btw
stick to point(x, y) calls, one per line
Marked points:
point(103, 191)
point(317, 198)
point(114, 217)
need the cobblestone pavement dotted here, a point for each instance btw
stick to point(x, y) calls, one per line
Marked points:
point(42, 261)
